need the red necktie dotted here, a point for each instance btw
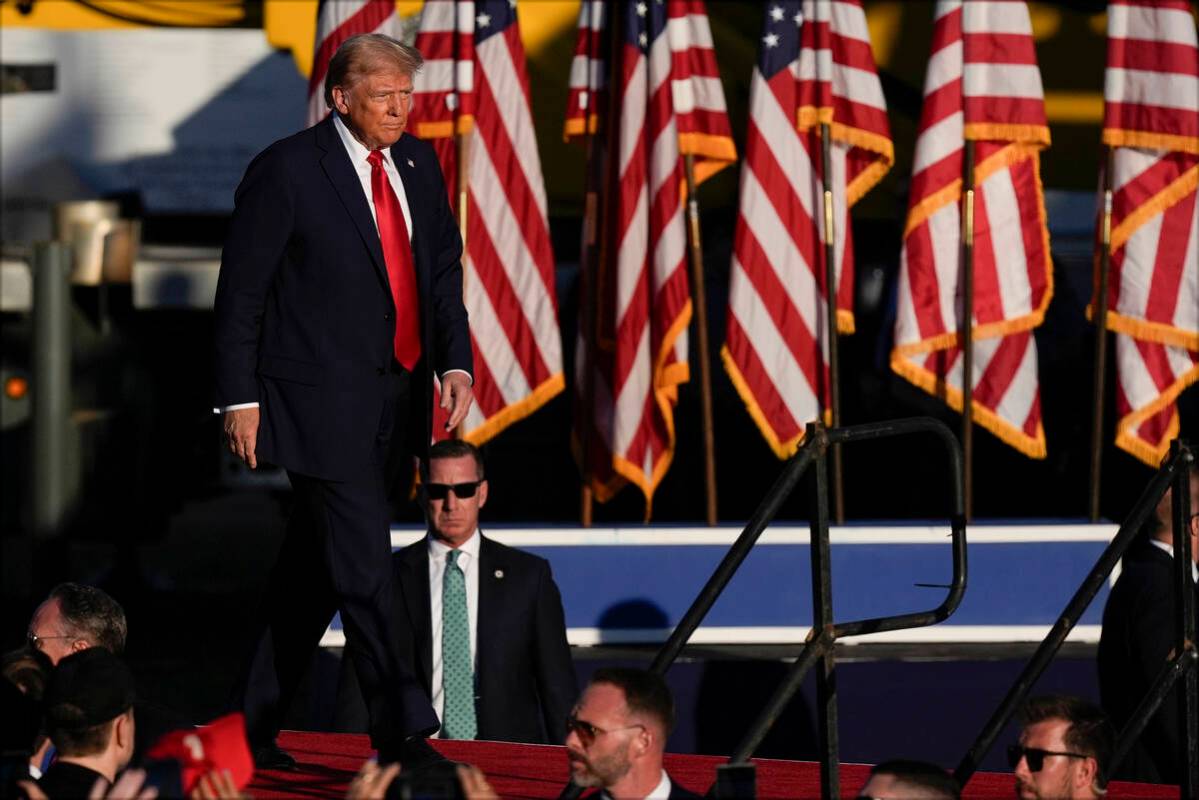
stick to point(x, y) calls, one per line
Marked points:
point(397, 254)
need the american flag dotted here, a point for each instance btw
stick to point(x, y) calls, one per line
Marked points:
point(336, 21)
point(1151, 119)
point(475, 82)
point(814, 65)
point(670, 103)
point(983, 84)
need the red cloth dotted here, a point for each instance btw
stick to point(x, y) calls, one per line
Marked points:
point(397, 253)
point(218, 745)
point(328, 761)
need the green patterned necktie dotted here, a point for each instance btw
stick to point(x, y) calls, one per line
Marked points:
point(457, 672)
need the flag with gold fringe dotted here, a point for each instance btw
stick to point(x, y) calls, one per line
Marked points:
point(982, 84)
point(814, 66)
point(1151, 120)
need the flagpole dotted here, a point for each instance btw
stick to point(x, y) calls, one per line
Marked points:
point(967, 325)
point(594, 250)
point(830, 294)
point(1100, 321)
point(462, 141)
point(700, 306)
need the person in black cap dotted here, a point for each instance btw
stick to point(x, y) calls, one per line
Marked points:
point(89, 717)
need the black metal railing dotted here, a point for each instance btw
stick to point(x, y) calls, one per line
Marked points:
point(1175, 472)
point(820, 643)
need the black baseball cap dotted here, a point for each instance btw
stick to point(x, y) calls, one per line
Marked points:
point(88, 688)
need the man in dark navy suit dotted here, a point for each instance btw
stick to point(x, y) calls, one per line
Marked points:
point(517, 666)
point(1139, 630)
point(340, 295)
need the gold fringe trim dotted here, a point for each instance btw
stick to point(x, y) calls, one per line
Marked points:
point(1128, 442)
point(713, 153)
point(782, 449)
point(575, 127)
point(810, 116)
point(951, 192)
point(445, 128)
point(1031, 446)
point(1148, 331)
point(845, 321)
point(1177, 189)
point(517, 411)
point(1119, 137)
point(1007, 326)
point(999, 132)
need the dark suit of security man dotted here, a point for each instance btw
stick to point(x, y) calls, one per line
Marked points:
point(523, 678)
point(340, 295)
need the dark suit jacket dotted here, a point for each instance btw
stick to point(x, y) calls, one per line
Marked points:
point(525, 681)
point(66, 781)
point(1138, 635)
point(304, 318)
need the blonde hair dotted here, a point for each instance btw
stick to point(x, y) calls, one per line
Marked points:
point(366, 54)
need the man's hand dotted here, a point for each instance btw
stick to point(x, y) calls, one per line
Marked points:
point(241, 430)
point(456, 397)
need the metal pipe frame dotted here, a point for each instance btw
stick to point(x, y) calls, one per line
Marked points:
point(822, 638)
point(1174, 471)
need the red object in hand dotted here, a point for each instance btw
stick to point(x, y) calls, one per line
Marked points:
point(219, 745)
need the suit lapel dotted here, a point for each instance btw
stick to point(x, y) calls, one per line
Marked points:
point(339, 170)
point(491, 571)
point(415, 583)
point(421, 222)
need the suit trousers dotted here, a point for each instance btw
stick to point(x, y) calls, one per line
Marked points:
point(336, 555)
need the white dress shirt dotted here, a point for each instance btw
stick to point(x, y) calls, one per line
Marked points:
point(660, 792)
point(358, 152)
point(468, 561)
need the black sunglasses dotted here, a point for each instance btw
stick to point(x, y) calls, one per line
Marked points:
point(588, 732)
point(1034, 755)
point(438, 491)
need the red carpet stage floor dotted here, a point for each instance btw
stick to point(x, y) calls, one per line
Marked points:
point(328, 761)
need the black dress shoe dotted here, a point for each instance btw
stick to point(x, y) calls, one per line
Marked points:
point(413, 753)
point(271, 756)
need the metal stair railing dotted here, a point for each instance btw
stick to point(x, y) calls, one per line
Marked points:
point(825, 632)
point(1176, 472)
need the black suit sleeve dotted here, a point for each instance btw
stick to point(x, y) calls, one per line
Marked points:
point(557, 687)
point(1152, 646)
point(258, 235)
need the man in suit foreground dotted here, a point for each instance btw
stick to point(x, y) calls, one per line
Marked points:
point(1139, 630)
point(488, 642)
point(617, 736)
point(340, 295)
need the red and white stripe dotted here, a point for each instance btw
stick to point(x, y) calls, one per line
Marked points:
point(1151, 119)
point(776, 342)
point(983, 83)
point(336, 21)
point(670, 103)
point(508, 266)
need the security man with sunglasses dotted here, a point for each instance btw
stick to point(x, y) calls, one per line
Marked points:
point(1065, 749)
point(483, 621)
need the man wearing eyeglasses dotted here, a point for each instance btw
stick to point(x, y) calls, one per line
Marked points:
point(617, 734)
point(75, 617)
point(1139, 629)
point(1065, 748)
point(482, 621)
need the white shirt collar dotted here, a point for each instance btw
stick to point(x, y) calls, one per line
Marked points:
point(1168, 549)
point(355, 148)
point(660, 792)
point(471, 547)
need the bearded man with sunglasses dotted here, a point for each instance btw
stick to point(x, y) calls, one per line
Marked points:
point(1065, 750)
point(616, 736)
point(483, 622)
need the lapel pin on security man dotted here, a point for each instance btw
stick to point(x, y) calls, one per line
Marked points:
point(499, 574)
